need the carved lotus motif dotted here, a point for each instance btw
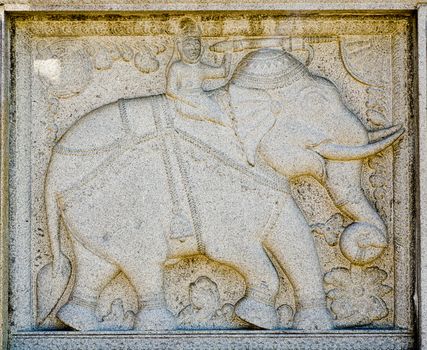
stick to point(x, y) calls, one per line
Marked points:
point(205, 309)
point(331, 229)
point(146, 62)
point(356, 295)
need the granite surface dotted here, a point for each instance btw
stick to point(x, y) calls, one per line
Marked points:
point(212, 179)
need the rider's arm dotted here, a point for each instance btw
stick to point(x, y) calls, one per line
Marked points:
point(212, 72)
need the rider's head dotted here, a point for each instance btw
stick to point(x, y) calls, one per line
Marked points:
point(189, 43)
point(190, 49)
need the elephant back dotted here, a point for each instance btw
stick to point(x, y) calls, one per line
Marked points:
point(96, 138)
point(107, 125)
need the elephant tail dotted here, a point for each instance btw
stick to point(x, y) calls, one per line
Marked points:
point(55, 280)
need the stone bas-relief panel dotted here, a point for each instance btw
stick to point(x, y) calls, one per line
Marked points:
point(212, 172)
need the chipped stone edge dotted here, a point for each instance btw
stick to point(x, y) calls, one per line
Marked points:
point(422, 179)
point(3, 180)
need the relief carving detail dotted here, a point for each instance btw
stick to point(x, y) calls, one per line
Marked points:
point(131, 188)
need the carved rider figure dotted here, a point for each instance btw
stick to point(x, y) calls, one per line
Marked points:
point(186, 76)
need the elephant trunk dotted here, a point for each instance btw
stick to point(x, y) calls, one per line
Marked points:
point(346, 153)
point(365, 239)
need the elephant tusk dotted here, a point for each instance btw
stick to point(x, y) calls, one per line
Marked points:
point(376, 135)
point(342, 152)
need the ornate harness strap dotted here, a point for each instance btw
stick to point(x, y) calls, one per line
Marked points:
point(182, 225)
point(123, 114)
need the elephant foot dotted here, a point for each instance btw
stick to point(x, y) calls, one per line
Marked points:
point(79, 316)
point(257, 313)
point(155, 319)
point(314, 318)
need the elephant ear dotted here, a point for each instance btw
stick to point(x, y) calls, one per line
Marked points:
point(253, 117)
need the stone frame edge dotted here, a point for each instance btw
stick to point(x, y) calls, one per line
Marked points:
point(421, 243)
point(420, 50)
point(4, 205)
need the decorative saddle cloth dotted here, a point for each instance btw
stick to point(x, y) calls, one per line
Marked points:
point(185, 223)
point(157, 133)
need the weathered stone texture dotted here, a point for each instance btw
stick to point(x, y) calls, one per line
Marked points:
point(212, 180)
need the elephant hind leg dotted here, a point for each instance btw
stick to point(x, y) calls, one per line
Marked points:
point(92, 275)
point(292, 245)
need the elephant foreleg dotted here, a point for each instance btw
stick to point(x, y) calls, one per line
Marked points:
point(262, 284)
point(247, 255)
point(292, 245)
point(365, 239)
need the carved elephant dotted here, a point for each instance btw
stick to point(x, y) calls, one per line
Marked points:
point(297, 123)
point(136, 185)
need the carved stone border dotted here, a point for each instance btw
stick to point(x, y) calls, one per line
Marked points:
point(228, 339)
point(204, 5)
point(422, 195)
point(4, 78)
point(262, 340)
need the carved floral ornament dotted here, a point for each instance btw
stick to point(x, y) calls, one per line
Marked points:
point(56, 63)
point(356, 295)
point(229, 201)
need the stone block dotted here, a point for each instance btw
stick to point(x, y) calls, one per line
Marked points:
point(211, 179)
